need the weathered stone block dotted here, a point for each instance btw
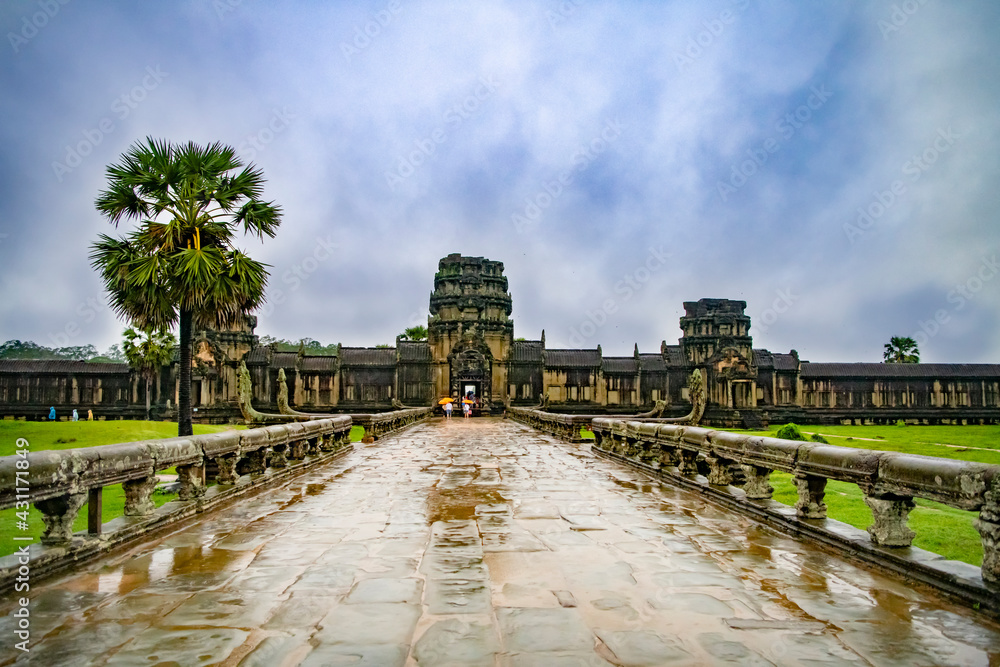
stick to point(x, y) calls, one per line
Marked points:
point(811, 489)
point(191, 478)
point(59, 514)
point(227, 469)
point(758, 482)
point(138, 492)
point(890, 514)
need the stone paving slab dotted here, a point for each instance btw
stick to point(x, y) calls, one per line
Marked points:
point(483, 542)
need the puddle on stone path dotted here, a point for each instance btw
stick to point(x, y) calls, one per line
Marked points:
point(459, 504)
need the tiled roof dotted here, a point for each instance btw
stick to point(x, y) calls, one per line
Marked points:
point(652, 363)
point(785, 362)
point(319, 364)
point(526, 351)
point(284, 359)
point(627, 365)
point(414, 350)
point(368, 356)
point(675, 356)
point(258, 355)
point(764, 359)
point(874, 370)
point(572, 358)
point(60, 366)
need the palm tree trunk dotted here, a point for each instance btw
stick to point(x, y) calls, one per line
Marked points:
point(184, 377)
point(149, 389)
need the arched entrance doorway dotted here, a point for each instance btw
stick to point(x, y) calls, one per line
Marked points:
point(471, 377)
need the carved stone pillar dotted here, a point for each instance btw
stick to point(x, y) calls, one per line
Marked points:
point(811, 492)
point(297, 450)
point(192, 481)
point(719, 473)
point(137, 496)
point(890, 514)
point(988, 525)
point(758, 484)
point(688, 464)
point(668, 457)
point(649, 452)
point(59, 514)
point(312, 446)
point(254, 462)
point(227, 469)
point(278, 459)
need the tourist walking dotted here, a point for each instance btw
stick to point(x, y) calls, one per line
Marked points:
point(76, 415)
point(466, 409)
point(52, 414)
point(447, 410)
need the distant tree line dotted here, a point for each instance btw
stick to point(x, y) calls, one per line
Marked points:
point(17, 349)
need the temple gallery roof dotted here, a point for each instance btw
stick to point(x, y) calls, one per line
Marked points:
point(414, 350)
point(572, 358)
point(368, 356)
point(66, 366)
point(526, 351)
point(876, 370)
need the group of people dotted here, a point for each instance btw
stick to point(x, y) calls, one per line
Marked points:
point(75, 417)
point(468, 402)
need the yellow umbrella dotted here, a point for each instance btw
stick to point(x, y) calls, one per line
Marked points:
point(446, 400)
point(465, 400)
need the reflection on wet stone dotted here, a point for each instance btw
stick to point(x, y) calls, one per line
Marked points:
point(483, 542)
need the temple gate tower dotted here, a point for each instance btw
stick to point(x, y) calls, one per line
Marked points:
point(469, 329)
point(717, 339)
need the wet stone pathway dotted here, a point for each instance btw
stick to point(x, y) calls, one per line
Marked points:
point(483, 542)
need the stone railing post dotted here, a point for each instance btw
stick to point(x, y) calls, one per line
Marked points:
point(988, 525)
point(890, 513)
point(812, 489)
point(297, 450)
point(327, 443)
point(192, 481)
point(719, 471)
point(227, 469)
point(253, 462)
point(138, 492)
point(758, 484)
point(668, 456)
point(278, 457)
point(59, 514)
point(649, 452)
point(688, 464)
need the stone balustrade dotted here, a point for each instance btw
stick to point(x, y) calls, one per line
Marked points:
point(734, 470)
point(562, 426)
point(60, 483)
point(889, 480)
point(380, 424)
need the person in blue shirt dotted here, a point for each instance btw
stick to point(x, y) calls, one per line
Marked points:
point(52, 414)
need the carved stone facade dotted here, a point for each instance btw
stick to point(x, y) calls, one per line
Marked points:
point(471, 348)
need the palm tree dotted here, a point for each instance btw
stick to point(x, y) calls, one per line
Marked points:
point(147, 351)
point(418, 332)
point(179, 264)
point(901, 350)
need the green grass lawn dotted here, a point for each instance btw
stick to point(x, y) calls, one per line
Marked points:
point(357, 433)
point(941, 529)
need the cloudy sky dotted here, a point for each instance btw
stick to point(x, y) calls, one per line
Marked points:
point(833, 164)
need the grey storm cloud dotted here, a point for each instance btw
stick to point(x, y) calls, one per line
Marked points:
point(832, 164)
